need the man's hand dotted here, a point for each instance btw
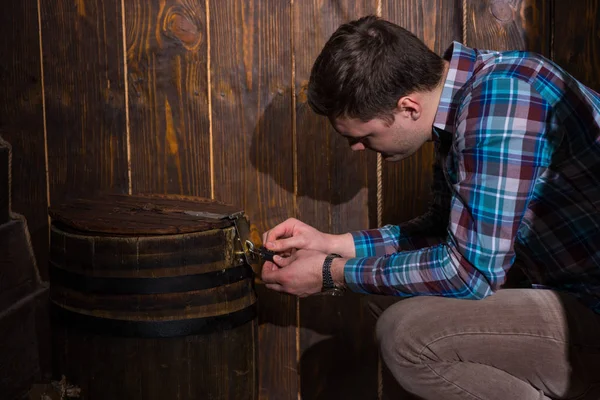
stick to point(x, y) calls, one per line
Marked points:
point(301, 274)
point(293, 235)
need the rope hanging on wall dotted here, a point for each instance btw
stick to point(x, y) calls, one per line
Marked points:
point(380, 177)
point(379, 190)
point(379, 158)
point(464, 22)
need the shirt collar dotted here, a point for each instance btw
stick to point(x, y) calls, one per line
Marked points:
point(462, 63)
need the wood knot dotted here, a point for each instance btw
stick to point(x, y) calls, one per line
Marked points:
point(302, 93)
point(502, 10)
point(183, 25)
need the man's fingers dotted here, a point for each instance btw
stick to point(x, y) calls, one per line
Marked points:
point(274, 286)
point(270, 272)
point(284, 261)
point(281, 230)
point(284, 229)
point(270, 275)
point(294, 242)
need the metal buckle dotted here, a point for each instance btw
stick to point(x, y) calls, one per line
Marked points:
point(243, 246)
point(261, 252)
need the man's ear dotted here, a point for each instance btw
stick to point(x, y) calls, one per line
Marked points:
point(410, 108)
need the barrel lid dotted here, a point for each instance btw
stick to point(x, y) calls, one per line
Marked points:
point(143, 214)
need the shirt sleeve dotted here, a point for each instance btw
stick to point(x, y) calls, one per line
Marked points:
point(418, 231)
point(498, 154)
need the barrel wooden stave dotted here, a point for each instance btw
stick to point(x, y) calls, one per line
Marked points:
point(142, 255)
point(193, 367)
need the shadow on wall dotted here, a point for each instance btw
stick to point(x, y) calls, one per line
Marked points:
point(322, 154)
point(338, 352)
point(336, 344)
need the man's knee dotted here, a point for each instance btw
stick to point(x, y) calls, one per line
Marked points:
point(403, 329)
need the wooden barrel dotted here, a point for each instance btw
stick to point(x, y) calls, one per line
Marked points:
point(149, 302)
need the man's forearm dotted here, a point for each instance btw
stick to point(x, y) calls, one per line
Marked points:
point(341, 244)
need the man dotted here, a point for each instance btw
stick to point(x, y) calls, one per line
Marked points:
point(516, 185)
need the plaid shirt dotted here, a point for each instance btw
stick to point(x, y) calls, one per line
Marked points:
point(516, 182)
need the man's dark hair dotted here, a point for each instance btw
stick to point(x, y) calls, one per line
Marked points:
point(366, 66)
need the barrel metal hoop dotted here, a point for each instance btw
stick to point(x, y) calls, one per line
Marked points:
point(170, 284)
point(154, 329)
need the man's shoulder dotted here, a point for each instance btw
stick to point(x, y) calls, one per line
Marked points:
point(531, 74)
point(519, 65)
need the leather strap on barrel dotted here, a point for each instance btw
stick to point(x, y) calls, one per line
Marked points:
point(154, 329)
point(170, 284)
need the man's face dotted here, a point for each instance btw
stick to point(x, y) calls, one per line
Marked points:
point(395, 141)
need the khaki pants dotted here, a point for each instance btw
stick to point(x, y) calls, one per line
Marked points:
point(517, 344)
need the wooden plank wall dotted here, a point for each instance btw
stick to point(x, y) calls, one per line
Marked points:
point(167, 97)
point(509, 25)
point(251, 75)
point(208, 98)
point(21, 118)
point(84, 92)
point(335, 340)
point(406, 184)
point(576, 38)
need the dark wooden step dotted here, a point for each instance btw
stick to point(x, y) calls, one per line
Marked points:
point(4, 181)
